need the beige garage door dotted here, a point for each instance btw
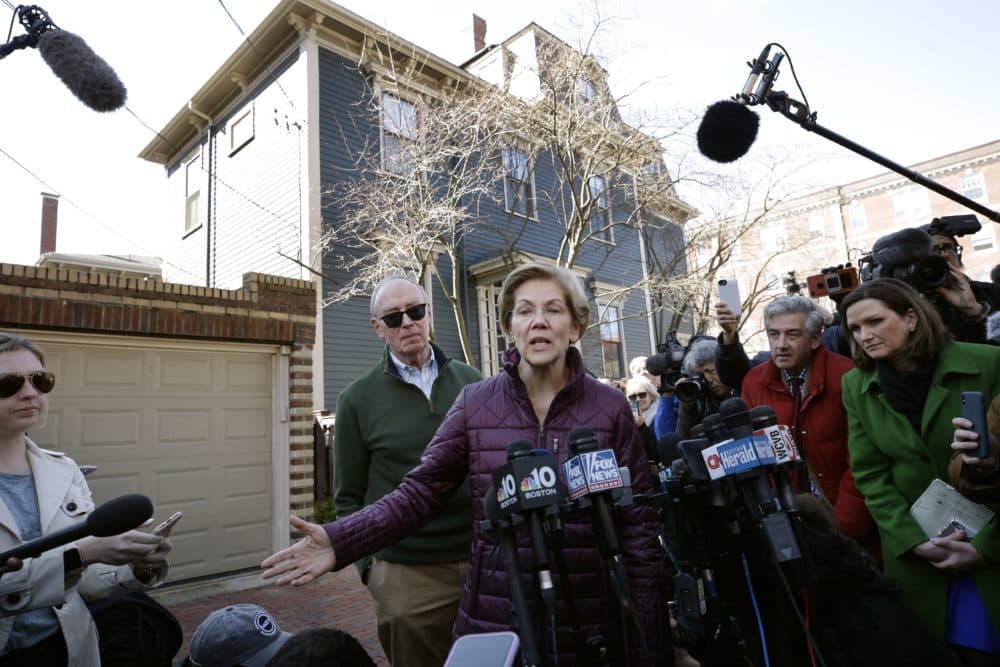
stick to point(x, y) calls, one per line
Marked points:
point(188, 426)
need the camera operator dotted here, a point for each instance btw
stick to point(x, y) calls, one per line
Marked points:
point(944, 232)
point(908, 255)
point(701, 391)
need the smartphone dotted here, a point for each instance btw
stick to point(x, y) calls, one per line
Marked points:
point(974, 409)
point(634, 404)
point(487, 649)
point(164, 528)
point(729, 294)
point(86, 470)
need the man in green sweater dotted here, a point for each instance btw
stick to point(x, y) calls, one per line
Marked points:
point(385, 419)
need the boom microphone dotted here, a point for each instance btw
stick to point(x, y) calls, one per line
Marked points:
point(84, 72)
point(114, 517)
point(727, 131)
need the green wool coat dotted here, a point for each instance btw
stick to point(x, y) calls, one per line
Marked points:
point(892, 466)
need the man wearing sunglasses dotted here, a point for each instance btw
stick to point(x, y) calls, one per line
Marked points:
point(384, 421)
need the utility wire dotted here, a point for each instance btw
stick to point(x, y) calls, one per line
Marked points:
point(87, 213)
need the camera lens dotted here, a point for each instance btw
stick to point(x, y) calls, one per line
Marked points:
point(688, 390)
point(930, 272)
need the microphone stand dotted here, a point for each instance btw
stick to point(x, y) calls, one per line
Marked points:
point(799, 113)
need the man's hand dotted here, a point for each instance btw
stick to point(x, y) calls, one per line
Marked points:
point(958, 292)
point(728, 322)
point(305, 560)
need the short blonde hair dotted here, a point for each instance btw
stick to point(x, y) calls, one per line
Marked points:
point(573, 292)
point(639, 383)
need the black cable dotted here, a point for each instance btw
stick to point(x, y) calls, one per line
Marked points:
point(798, 613)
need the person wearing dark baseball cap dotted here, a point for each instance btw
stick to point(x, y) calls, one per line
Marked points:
point(241, 634)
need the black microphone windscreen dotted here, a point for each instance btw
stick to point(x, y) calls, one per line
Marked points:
point(518, 448)
point(84, 72)
point(727, 131)
point(119, 515)
point(666, 448)
point(763, 416)
point(582, 439)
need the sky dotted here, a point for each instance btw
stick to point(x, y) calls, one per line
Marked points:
point(911, 80)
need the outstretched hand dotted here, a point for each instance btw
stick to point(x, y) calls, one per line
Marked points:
point(305, 560)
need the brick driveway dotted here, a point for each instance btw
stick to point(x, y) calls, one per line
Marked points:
point(337, 600)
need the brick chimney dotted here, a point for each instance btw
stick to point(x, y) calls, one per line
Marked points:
point(50, 216)
point(479, 32)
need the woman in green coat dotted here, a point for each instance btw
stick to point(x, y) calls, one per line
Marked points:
point(900, 401)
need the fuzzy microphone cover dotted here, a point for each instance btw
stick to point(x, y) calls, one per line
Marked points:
point(84, 72)
point(899, 249)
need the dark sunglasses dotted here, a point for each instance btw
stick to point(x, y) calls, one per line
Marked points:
point(415, 313)
point(633, 397)
point(11, 383)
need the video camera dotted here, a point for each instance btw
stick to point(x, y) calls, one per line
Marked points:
point(666, 363)
point(907, 255)
point(834, 281)
point(690, 389)
point(953, 225)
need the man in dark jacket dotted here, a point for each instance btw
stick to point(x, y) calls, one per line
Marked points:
point(384, 421)
point(801, 381)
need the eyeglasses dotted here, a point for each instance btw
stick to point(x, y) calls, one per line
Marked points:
point(641, 394)
point(415, 313)
point(11, 383)
point(947, 249)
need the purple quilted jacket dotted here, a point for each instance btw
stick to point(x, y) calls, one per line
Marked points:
point(472, 441)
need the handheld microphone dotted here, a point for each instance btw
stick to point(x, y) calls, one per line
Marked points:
point(85, 73)
point(765, 422)
point(602, 475)
point(114, 517)
point(526, 484)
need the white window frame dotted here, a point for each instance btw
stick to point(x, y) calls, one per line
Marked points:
point(601, 211)
point(396, 131)
point(604, 307)
point(241, 130)
point(973, 186)
point(193, 182)
point(523, 204)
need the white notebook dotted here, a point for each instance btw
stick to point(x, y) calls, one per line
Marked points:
point(940, 509)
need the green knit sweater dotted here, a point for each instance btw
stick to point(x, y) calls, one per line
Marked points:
point(383, 425)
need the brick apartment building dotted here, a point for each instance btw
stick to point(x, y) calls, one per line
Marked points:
point(839, 224)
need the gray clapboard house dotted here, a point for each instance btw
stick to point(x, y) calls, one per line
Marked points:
point(251, 156)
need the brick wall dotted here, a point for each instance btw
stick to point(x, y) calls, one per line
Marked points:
point(267, 309)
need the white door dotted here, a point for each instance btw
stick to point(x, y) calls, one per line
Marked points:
point(188, 424)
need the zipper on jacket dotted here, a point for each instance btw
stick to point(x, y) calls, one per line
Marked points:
point(555, 447)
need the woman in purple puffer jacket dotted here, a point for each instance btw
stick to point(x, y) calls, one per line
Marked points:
point(542, 395)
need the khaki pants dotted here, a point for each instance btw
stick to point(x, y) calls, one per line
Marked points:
point(415, 607)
